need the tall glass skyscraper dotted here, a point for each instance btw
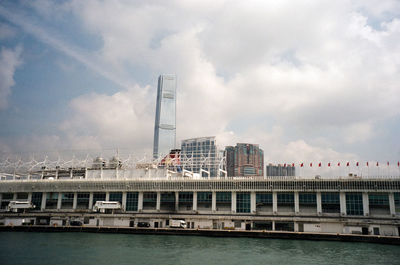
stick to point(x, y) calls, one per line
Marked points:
point(165, 124)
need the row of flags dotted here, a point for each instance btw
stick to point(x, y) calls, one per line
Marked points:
point(338, 164)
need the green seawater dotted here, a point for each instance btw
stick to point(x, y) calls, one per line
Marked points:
point(90, 248)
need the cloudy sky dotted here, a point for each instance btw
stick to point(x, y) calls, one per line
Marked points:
point(308, 80)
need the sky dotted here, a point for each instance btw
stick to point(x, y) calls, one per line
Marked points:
point(309, 81)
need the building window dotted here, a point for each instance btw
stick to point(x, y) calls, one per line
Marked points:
point(51, 200)
point(37, 200)
point(82, 201)
point(67, 200)
point(5, 199)
point(168, 197)
point(185, 197)
point(354, 204)
point(97, 196)
point(330, 202)
point(307, 199)
point(223, 197)
point(264, 198)
point(116, 197)
point(378, 199)
point(132, 199)
point(285, 199)
point(149, 197)
point(243, 202)
point(204, 197)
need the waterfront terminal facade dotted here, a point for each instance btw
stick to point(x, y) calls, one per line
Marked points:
point(153, 196)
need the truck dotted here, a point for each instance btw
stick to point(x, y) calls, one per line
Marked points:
point(13, 206)
point(177, 224)
point(102, 206)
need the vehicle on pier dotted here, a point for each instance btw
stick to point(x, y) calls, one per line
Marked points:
point(102, 206)
point(13, 206)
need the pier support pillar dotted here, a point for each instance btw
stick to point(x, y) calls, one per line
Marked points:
point(253, 202)
point(233, 202)
point(90, 201)
point(176, 201)
point(319, 203)
point(29, 197)
point(107, 196)
point(365, 201)
point(59, 200)
point(124, 201)
point(342, 203)
point(140, 201)
point(75, 201)
point(296, 203)
point(274, 203)
point(195, 201)
point(158, 204)
point(214, 202)
point(392, 205)
point(44, 197)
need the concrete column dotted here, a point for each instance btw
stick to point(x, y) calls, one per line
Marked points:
point(124, 201)
point(59, 201)
point(392, 205)
point(319, 203)
point(140, 201)
point(214, 202)
point(253, 202)
point(296, 203)
point(176, 201)
point(14, 196)
point(29, 197)
point(342, 203)
point(90, 201)
point(274, 204)
point(158, 205)
point(44, 197)
point(296, 226)
point(75, 201)
point(365, 200)
point(107, 196)
point(273, 225)
point(233, 202)
point(195, 201)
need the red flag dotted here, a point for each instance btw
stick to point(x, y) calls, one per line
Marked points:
point(357, 164)
point(310, 164)
point(388, 163)
point(348, 164)
point(292, 164)
point(319, 164)
point(338, 164)
point(377, 164)
point(284, 165)
point(367, 164)
point(398, 163)
point(329, 164)
point(301, 165)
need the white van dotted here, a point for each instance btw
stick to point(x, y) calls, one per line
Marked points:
point(177, 224)
point(15, 205)
point(102, 206)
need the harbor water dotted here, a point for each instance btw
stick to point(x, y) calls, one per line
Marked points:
point(92, 248)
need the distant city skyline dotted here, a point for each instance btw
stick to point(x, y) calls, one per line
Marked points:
point(306, 80)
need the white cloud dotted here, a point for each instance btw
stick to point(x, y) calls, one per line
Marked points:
point(9, 61)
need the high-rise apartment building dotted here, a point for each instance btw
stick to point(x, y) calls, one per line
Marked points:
point(280, 170)
point(200, 153)
point(244, 160)
point(165, 123)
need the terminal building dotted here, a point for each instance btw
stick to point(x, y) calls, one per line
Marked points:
point(152, 196)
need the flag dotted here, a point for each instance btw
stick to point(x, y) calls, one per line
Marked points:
point(367, 164)
point(292, 164)
point(388, 163)
point(301, 165)
point(284, 165)
point(398, 163)
point(377, 164)
point(329, 164)
point(319, 164)
point(310, 164)
point(357, 164)
point(338, 164)
point(348, 164)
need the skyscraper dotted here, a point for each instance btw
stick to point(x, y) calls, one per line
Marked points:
point(280, 170)
point(165, 123)
point(244, 160)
